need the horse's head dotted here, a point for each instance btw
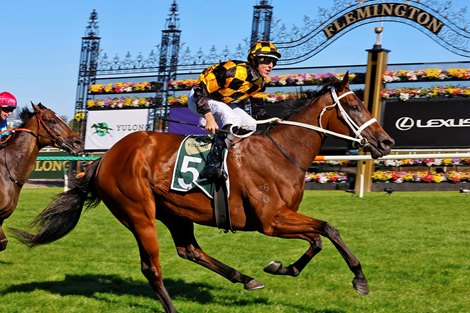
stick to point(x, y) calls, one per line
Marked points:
point(353, 119)
point(53, 131)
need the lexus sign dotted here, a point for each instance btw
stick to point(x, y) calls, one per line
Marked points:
point(428, 123)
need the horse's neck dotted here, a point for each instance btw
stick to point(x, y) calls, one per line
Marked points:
point(20, 155)
point(301, 144)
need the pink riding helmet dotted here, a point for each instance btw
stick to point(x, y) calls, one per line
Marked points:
point(7, 100)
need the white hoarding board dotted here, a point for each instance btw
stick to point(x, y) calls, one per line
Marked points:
point(105, 128)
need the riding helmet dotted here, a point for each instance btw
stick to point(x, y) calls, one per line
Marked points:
point(7, 100)
point(263, 49)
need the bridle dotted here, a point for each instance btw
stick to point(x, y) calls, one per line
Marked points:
point(57, 140)
point(357, 130)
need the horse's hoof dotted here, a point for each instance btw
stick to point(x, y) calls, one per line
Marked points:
point(361, 286)
point(273, 267)
point(3, 244)
point(253, 285)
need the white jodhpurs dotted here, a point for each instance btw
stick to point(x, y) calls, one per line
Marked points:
point(224, 114)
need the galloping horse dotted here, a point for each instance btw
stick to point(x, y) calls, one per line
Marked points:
point(39, 129)
point(267, 174)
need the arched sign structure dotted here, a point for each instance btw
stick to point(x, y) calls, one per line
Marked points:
point(429, 17)
point(439, 20)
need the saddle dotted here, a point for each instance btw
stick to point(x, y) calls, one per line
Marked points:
point(190, 160)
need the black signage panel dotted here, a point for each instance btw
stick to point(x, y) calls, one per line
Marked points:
point(428, 123)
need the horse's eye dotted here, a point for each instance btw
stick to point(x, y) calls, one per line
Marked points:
point(52, 122)
point(355, 107)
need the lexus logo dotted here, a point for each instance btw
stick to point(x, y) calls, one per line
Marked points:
point(406, 123)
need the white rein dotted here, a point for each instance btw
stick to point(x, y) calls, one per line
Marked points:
point(357, 130)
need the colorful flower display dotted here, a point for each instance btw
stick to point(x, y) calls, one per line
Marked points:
point(407, 93)
point(123, 87)
point(424, 162)
point(420, 177)
point(279, 80)
point(326, 177)
point(121, 102)
point(79, 116)
point(426, 75)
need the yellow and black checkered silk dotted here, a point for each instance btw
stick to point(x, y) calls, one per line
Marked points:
point(232, 81)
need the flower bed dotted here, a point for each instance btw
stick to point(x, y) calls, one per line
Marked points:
point(389, 76)
point(326, 177)
point(403, 94)
point(424, 162)
point(420, 176)
point(124, 87)
point(122, 102)
point(407, 93)
point(431, 74)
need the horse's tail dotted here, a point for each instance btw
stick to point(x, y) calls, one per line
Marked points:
point(62, 215)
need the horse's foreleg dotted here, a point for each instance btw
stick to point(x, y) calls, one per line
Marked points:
point(146, 236)
point(141, 222)
point(290, 224)
point(3, 239)
point(188, 248)
point(360, 281)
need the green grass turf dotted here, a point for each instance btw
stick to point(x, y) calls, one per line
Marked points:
point(413, 246)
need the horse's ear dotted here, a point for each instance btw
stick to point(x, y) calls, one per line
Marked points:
point(35, 107)
point(345, 81)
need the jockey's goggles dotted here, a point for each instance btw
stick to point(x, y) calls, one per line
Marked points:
point(7, 110)
point(267, 60)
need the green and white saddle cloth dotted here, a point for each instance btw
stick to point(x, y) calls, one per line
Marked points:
point(191, 158)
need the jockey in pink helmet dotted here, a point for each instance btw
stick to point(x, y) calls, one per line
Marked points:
point(7, 106)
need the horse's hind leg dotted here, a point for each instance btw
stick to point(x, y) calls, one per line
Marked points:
point(276, 268)
point(3, 238)
point(188, 248)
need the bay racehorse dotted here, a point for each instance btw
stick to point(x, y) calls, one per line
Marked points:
point(20, 149)
point(266, 170)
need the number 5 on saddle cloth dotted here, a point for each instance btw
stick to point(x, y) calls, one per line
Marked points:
point(190, 160)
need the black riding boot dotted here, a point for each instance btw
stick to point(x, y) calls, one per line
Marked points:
point(213, 169)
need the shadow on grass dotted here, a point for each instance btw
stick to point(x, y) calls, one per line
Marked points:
point(97, 286)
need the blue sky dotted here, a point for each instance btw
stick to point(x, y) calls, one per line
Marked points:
point(41, 39)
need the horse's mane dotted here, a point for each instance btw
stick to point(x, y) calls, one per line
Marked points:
point(305, 97)
point(25, 114)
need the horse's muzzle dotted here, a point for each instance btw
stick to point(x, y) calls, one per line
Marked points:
point(74, 147)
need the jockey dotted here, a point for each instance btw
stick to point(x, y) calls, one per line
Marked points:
point(217, 93)
point(7, 106)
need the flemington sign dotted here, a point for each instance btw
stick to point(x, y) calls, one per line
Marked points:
point(398, 10)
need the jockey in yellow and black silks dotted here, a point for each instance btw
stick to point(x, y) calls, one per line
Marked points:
point(219, 90)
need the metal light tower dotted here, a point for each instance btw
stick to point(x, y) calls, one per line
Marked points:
point(262, 17)
point(169, 51)
point(87, 70)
